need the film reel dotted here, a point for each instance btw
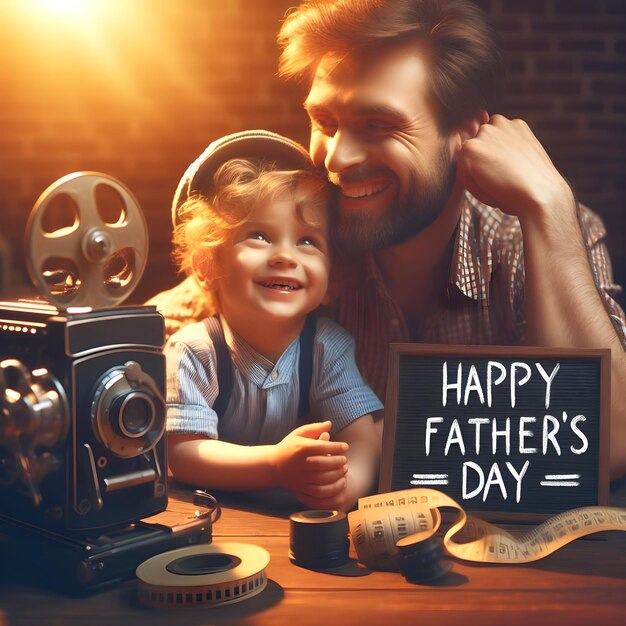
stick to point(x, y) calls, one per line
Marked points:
point(203, 575)
point(86, 242)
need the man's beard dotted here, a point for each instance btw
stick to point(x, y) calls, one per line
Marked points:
point(419, 207)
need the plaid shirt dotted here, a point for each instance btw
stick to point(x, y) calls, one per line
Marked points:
point(482, 301)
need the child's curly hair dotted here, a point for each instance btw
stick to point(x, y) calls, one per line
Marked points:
point(206, 224)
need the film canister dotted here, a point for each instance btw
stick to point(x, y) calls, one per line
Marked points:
point(318, 539)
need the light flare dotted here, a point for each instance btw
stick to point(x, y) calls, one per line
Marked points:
point(65, 7)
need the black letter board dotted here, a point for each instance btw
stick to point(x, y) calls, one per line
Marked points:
point(517, 432)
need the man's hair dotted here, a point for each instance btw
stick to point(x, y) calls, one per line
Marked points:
point(461, 47)
point(206, 224)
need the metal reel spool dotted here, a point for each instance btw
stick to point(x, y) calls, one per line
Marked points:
point(91, 259)
point(34, 423)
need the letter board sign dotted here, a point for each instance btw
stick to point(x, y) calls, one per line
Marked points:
point(518, 431)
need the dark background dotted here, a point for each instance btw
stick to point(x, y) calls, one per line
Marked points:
point(137, 90)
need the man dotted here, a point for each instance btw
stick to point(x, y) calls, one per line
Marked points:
point(399, 98)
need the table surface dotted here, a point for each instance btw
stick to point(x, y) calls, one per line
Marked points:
point(582, 583)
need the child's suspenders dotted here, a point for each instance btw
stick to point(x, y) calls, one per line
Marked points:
point(225, 367)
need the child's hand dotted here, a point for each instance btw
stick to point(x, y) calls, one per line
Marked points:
point(311, 466)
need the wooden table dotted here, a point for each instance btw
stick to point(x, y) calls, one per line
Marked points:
point(583, 583)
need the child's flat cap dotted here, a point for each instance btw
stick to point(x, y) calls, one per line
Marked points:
point(249, 144)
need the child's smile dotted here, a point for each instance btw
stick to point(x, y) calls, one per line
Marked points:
point(280, 284)
point(275, 268)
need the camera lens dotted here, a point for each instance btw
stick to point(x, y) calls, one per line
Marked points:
point(128, 411)
point(136, 414)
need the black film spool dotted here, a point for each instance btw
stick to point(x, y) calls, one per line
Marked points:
point(202, 564)
point(423, 561)
point(318, 539)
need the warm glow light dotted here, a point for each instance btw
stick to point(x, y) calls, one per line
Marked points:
point(114, 48)
point(67, 7)
point(12, 396)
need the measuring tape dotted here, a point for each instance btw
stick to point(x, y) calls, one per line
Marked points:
point(383, 523)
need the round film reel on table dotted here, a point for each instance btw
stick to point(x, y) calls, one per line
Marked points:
point(203, 575)
point(86, 242)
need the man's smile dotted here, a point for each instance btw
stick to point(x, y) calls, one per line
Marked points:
point(374, 195)
point(362, 190)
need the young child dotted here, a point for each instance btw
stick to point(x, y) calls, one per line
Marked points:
point(257, 240)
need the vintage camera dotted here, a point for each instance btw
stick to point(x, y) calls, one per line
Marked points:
point(82, 412)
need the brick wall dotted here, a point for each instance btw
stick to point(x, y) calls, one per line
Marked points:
point(137, 89)
point(566, 62)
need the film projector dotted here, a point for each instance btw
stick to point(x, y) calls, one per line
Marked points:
point(82, 410)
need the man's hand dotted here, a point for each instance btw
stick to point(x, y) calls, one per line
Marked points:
point(505, 166)
point(312, 466)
